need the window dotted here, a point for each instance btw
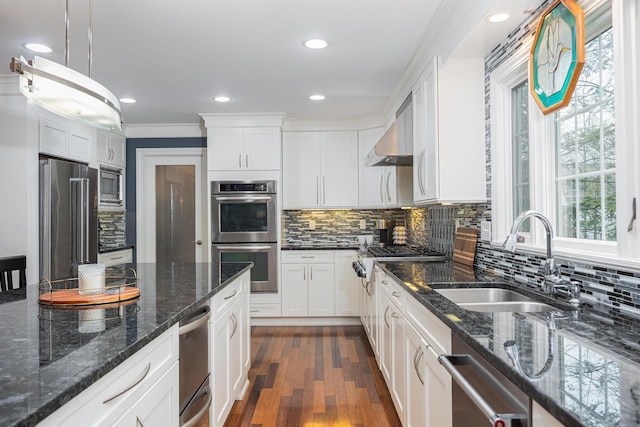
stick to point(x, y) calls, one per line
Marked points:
point(576, 165)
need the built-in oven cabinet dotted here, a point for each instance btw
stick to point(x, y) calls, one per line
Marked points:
point(230, 347)
point(249, 148)
point(111, 148)
point(319, 169)
point(134, 388)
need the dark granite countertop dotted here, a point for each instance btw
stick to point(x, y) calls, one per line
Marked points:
point(48, 356)
point(594, 378)
point(352, 247)
point(114, 249)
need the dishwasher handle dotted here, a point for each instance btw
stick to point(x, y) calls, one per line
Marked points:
point(196, 320)
point(497, 420)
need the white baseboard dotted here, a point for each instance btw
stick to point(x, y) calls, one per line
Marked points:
point(305, 321)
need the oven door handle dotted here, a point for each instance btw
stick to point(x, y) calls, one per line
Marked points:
point(242, 248)
point(496, 419)
point(242, 199)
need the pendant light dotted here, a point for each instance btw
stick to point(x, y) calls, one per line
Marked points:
point(66, 92)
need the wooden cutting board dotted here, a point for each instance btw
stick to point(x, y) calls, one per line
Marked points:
point(464, 249)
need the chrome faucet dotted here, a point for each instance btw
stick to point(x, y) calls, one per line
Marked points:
point(553, 280)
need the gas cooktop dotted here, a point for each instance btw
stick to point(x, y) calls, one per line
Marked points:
point(407, 253)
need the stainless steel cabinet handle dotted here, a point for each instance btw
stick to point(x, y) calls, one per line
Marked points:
point(396, 294)
point(234, 320)
point(495, 418)
point(304, 273)
point(381, 193)
point(197, 319)
point(198, 416)
point(395, 315)
point(239, 160)
point(308, 256)
point(198, 242)
point(235, 292)
point(366, 288)
point(310, 273)
point(254, 311)
point(384, 282)
point(388, 192)
point(633, 215)
point(135, 383)
point(324, 191)
point(114, 258)
point(416, 362)
point(385, 317)
point(317, 190)
point(246, 160)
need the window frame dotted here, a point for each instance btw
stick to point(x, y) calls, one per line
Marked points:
point(624, 17)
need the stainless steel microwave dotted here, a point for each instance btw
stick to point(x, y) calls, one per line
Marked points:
point(110, 186)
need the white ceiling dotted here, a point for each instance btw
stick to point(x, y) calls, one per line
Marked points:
point(174, 56)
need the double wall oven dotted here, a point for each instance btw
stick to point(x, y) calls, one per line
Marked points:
point(244, 228)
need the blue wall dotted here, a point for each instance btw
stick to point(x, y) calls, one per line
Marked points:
point(134, 144)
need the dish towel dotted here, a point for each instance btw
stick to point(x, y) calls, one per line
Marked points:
point(368, 268)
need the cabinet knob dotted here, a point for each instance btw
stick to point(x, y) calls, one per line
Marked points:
point(198, 242)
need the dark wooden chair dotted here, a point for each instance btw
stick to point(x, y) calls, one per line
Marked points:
point(7, 266)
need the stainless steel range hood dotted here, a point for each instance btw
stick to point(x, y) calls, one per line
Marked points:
point(395, 148)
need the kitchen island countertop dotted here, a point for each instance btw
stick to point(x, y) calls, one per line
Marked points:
point(594, 376)
point(48, 355)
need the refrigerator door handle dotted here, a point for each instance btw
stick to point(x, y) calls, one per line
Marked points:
point(80, 219)
point(85, 219)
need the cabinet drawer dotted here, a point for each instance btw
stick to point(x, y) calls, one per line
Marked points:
point(227, 296)
point(265, 310)
point(115, 258)
point(429, 326)
point(392, 290)
point(307, 257)
point(111, 396)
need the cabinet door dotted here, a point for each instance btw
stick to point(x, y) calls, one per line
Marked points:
point(53, 138)
point(158, 406)
point(321, 289)
point(397, 324)
point(103, 149)
point(236, 317)
point(371, 178)
point(438, 382)
point(294, 290)
point(300, 169)
point(390, 189)
point(245, 327)
point(262, 148)
point(339, 169)
point(79, 145)
point(220, 354)
point(384, 339)
point(117, 143)
point(225, 149)
point(417, 400)
point(347, 284)
point(425, 133)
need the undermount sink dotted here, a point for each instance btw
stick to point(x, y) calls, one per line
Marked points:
point(494, 300)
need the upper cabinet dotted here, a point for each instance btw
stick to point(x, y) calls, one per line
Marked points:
point(111, 148)
point(381, 186)
point(449, 133)
point(234, 148)
point(320, 169)
point(61, 140)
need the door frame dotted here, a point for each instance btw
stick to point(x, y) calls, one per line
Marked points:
point(146, 161)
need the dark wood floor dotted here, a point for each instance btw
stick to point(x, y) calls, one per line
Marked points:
point(313, 376)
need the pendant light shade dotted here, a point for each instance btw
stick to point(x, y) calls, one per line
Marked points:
point(67, 92)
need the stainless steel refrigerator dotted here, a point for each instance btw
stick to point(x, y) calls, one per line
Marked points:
point(68, 217)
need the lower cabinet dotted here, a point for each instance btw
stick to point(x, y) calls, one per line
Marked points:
point(307, 290)
point(409, 340)
point(157, 406)
point(132, 391)
point(347, 284)
point(230, 347)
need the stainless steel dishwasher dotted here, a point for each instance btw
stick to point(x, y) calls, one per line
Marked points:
point(481, 395)
point(195, 393)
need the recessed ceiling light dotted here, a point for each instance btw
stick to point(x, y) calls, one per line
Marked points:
point(498, 17)
point(315, 44)
point(317, 97)
point(127, 100)
point(222, 99)
point(37, 47)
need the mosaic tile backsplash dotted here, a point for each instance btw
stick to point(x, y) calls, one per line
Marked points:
point(111, 229)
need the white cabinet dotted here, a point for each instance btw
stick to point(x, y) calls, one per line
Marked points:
point(320, 169)
point(132, 389)
point(110, 259)
point(347, 284)
point(158, 406)
point(111, 148)
point(308, 283)
point(252, 148)
point(381, 186)
point(61, 140)
point(230, 347)
point(449, 133)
